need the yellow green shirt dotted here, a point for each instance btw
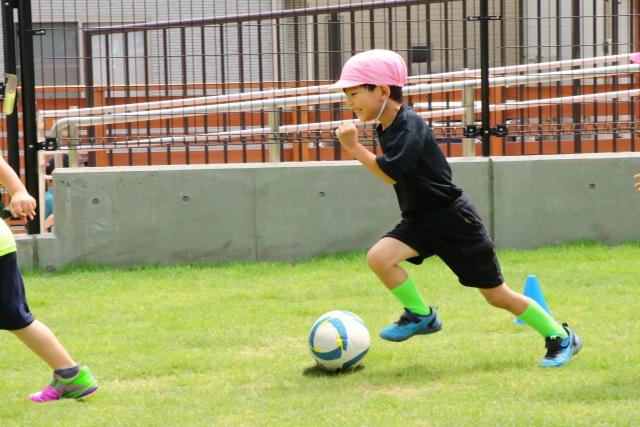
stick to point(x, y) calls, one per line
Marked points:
point(7, 242)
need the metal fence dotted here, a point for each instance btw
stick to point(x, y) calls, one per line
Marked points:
point(96, 54)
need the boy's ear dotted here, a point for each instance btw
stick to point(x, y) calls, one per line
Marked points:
point(386, 90)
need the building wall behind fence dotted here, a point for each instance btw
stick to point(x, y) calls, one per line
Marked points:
point(94, 13)
point(258, 212)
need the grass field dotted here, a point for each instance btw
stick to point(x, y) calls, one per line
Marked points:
point(227, 345)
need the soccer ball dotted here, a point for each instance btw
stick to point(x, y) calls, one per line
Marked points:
point(338, 340)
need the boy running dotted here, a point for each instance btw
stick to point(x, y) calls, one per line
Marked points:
point(437, 217)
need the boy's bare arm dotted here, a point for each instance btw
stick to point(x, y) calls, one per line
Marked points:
point(637, 177)
point(348, 137)
point(22, 204)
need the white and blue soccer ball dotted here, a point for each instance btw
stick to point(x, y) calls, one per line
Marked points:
point(339, 340)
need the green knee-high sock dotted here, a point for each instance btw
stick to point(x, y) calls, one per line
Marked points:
point(541, 321)
point(410, 297)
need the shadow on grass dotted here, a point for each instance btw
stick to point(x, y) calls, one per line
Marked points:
point(428, 372)
point(318, 371)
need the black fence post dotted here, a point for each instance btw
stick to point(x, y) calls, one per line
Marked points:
point(484, 76)
point(10, 67)
point(487, 131)
point(87, 62)
point(28, 86)
point(335, 67)
point(576, 86)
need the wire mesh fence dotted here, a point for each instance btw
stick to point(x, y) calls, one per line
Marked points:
point(152, 59)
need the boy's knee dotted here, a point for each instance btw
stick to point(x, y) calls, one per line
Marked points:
point(377, 260)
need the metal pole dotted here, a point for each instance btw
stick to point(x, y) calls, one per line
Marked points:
point(27, 74)
point(468, 102)
point(335, 67)
point(576, 87)
point(87, 71)
point(484, 76)
point(10, 67)
point(275, 57)
point(42, 200)
point(274, 140)
point(74, 136)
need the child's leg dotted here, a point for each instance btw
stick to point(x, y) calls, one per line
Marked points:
point(383, 258)
point(418, 318)
point(70, 380)
point(39, 338)
point(560, 341)
point(16, 317)
point(525, 308)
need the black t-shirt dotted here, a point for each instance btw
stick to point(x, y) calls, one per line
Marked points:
point(413, 159)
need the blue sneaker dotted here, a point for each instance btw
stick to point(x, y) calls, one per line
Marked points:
point(411, 324)
point(560, 350)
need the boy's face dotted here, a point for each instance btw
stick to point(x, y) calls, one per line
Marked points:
point(365, 103)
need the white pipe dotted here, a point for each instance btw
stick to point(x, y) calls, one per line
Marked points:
point(213, 99)
point(271, 104)
point(452, 112)
point(205, 137)
point(584, 73)
point(606, 96)
point(523, 68)
point(309, 90)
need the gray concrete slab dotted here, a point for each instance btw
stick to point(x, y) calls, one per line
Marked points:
point(287, 211)
point(26, 250)
point(542, 200)
point(155, 215)
point(305, 210)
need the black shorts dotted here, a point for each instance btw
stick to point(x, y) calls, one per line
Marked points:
point(14, 311)
point(455, 234)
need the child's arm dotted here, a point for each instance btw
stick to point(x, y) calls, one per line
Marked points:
point(637, 177)
point(348, 136)
point(22, 204)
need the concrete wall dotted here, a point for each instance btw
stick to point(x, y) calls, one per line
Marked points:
point(213, 213)
point(540, 200)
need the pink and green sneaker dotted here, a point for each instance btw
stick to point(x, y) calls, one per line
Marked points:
point(82, 384)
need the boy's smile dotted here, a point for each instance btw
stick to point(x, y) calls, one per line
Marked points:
point(372, 104)
point(364, 103)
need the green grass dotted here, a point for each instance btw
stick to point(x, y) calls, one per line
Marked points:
point(227, 345)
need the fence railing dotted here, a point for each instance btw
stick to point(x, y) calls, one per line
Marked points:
point(311, 90)
point(156, 67)
point(272, 106)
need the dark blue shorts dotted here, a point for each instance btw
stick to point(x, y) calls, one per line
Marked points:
point(455, 234)
point(14, 311)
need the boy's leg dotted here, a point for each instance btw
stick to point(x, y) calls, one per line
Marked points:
point(561, 342)
point(482, 271)
point(419, 318)
point(525, 308)
point(383, 258)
